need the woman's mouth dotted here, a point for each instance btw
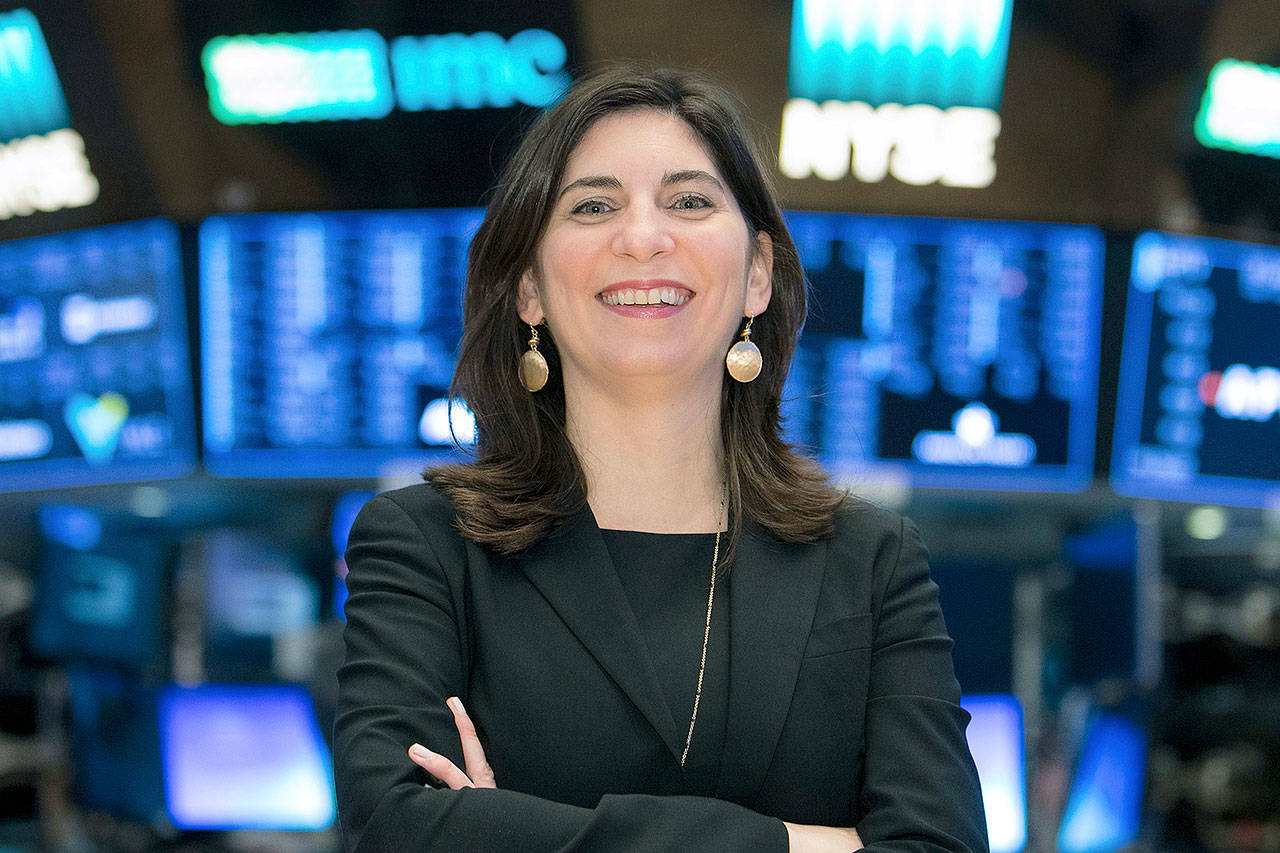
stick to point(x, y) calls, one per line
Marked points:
point(647, 296)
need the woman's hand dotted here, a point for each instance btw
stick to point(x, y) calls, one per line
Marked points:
point(811, 838)
point(478, 775)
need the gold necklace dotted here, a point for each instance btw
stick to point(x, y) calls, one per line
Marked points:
point(706, 633)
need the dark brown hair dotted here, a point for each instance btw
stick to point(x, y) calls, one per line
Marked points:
point(525, 475)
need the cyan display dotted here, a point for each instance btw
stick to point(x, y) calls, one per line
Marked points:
point(297, 77)
point(1240, 109)
point(941, 52)
point(31, 99)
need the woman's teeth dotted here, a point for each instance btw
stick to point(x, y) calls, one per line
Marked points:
point(658, 295)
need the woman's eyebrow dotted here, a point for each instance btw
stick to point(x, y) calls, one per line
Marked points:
point(670, 178)
point(593, 181)
point(687, 175)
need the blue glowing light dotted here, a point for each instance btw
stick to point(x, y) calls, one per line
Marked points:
point(941, 52)
point(31, 99)
point(995, 738)
point(290, 77)
point(1105, 803)
point(244, 757)
point(71, 525)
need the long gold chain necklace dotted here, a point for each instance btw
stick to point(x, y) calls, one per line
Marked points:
point(706, 631)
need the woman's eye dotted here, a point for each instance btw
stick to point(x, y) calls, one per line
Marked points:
point(592, 208)
point(692, 202)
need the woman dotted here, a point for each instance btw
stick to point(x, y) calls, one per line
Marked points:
point(655, 627)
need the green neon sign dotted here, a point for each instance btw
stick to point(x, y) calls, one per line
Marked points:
point(291, 77)
point(1240, 110)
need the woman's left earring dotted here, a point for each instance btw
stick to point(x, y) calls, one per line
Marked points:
point(743, 360)
point(533, 367)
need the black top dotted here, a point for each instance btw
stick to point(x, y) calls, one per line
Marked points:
point(665, 577)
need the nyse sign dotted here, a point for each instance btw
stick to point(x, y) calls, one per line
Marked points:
point(917, 144)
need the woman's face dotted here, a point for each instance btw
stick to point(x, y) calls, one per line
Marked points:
point(647, 265)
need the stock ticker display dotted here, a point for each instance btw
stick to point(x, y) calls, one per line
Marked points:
point(328, 340)
point(1196, 416)
point(961, 353)
point(94, 376)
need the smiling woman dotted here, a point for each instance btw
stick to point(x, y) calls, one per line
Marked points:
point(656, 626)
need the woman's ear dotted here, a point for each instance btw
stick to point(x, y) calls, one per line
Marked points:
point(528, 303)
point(760, 276)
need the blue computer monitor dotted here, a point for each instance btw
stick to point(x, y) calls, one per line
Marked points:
point(996, 740)
point(101, 593)
point(960, 353)
point(329, 340)
point(244, 756)
point(1199, 394)
point(1104, 806)
point(95, 383)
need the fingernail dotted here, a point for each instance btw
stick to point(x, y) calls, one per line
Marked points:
point(420, 751)
point(454, 700)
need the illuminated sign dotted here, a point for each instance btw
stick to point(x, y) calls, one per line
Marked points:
point(297, 77)
point(31, 99)
point(480, 70)
point(42, 162)
point(907, 89)
point(330, 76)
point(1240, 110)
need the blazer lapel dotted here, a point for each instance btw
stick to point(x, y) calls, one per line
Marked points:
point(573, 571)
point(772, 601)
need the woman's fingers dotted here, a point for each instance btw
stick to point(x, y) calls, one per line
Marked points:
point(477, 766)
point(439, 766)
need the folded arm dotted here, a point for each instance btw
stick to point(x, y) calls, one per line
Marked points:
point(406, 654)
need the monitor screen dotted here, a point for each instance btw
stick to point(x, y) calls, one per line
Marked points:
point(247, 756)
point(996, 740)
point(961, 353)
point(101, 595)
point(1199, 388)
point(95, 383)
point(329, 340)
point(1104, 807)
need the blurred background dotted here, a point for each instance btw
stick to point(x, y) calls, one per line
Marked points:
point(1044, 243)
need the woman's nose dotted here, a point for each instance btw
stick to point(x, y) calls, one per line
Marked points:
point(643, 234)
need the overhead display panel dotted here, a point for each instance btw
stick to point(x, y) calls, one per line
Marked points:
point(958, 353)
point(94, 375)
point(329, 340)
point(909, 89)
point(68, 157)
point(1199, 397)
point(391, 105)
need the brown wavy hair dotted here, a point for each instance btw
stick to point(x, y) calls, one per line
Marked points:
point(525, 476)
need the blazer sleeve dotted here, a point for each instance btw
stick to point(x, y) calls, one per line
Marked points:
point(920, 787)
point(405, 654)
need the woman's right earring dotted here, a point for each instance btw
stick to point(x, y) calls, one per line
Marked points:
point(743, 360)
point(533, 367)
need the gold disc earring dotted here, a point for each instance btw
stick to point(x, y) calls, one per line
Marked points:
point(533, 367)
point(744, 361)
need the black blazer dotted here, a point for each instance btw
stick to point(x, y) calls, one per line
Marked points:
point(843, 707)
